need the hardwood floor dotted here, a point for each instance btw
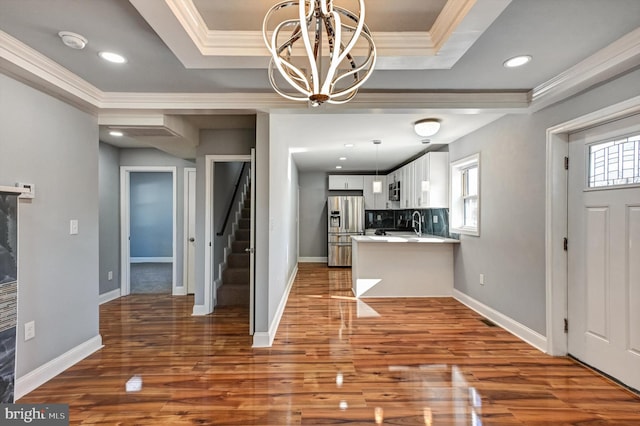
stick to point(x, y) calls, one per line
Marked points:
point(334, 361)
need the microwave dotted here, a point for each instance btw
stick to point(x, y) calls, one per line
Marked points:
point(394, 191)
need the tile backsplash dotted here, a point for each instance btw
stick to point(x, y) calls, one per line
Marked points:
point(434, 221)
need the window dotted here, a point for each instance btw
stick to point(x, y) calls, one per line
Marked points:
point(465, 195)
point(615, 162)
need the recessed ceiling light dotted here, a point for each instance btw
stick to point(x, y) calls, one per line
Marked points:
point(517, 61)
point(342, 158)
point(112, 57)
point(348, 145)
point(116, 133)
point(427, 127)
point(338, 167)
point(73, 40)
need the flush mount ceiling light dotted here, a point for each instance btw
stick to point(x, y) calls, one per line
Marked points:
point(116, 133)
point(314, 57)
point(517, 61)
point(73, 40)
point(427, 127)
point(112, 57)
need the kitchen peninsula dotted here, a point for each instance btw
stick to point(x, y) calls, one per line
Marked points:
point(402, 265)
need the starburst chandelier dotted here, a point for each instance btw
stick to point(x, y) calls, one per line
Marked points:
point(314, 52)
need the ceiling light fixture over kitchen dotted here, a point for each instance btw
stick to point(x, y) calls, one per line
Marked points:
point(427, 127)
point(320, 68)
point(377, 183)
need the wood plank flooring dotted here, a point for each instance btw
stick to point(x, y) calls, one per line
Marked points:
point(334, 361)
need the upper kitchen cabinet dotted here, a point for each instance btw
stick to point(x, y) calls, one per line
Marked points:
point(374, 201)
point(408, 198)
point(431, 183)
point(346, 182)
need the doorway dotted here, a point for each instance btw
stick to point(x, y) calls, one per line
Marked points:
point(148, 229)
point(209, 284)
point(604, 232)
point(558, 224)
point(189, 258)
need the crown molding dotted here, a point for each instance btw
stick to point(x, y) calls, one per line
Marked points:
point(34, 68)
point(614, 59)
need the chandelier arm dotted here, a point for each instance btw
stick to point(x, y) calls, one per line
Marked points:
point(357, 31)
point(369, 63)
point(281, 92)
point(337, 46)
point(307, 44)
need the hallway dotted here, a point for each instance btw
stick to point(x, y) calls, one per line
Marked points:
point(334, 361)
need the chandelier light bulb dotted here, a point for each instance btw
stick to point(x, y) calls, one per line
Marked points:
point(314, 57)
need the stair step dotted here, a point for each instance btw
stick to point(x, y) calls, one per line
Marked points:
point(239, 246)
point(244, 224)
point(243, 235)
point(235, 276)
point(246, 213)
point(247, 203)
point(238, 260)
point(233, 294)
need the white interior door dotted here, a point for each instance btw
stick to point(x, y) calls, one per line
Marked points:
point(190, 226)
point(604, 256)
point(252, 244)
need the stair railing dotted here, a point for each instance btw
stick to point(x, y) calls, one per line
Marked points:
point(235, 194)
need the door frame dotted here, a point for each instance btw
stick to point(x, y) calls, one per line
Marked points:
point(185, 250)
point(556, 220)
point(125, 225)
point(209, 237)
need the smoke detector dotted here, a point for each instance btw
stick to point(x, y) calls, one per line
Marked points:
point(73, 40)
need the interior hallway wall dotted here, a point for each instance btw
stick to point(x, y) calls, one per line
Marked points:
point(109, 192)
point(55, 147)
point(313, 214)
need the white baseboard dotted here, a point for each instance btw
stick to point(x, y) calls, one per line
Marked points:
point(109, 296)
point(48, 371)
point(151, 260)
point(312, 259)
point(523, 332)
point(262, 339)
point(199, 311)
point(179, 291)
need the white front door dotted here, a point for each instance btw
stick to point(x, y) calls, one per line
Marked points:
point(604, 251)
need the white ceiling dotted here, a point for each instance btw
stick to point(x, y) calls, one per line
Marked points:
point(193, 61)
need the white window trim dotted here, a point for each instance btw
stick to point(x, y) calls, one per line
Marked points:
point(456, 214)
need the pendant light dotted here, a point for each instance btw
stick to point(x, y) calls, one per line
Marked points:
point(377, 183)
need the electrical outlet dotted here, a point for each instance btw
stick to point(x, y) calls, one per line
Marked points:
point(435, 219)
point(481, 279)
point(110, 275)
point(29, 330)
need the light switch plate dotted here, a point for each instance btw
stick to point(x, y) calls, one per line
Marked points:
point(29, 330)
point(73, 227)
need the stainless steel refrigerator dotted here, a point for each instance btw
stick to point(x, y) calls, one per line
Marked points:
point(345, 215)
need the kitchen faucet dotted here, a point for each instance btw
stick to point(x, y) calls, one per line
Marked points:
point(417, 230)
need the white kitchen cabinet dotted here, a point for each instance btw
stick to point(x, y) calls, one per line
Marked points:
point(408, 197)
point(392, 181)
point(433, 169)
point(375, 201)
point(346, 182)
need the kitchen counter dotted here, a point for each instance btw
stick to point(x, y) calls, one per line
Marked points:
point(402, 265)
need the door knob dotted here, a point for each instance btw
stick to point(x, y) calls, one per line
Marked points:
point(191, 239)
point(249, 250)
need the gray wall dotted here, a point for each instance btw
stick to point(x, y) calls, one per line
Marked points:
point(154, 157)
point(510, 250)
point(213, 142)
point(151, 211)
point(54, 146)
point(313, 214)
point(109, 193)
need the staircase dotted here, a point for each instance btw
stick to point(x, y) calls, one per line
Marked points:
point(235, 277)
